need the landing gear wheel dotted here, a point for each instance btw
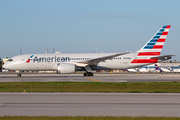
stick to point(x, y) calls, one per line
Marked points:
point(88, 74)
point(18, 75)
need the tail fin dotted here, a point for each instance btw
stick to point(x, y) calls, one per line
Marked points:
point(152, 48)
point(155, 44)
point(158, 68)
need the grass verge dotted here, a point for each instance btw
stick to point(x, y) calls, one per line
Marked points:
point(124, 87)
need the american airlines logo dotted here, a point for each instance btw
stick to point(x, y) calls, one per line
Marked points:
point(48, 59)
point(29, 59)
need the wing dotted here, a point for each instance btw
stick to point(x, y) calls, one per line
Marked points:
point(163, 57)
point(95, 61)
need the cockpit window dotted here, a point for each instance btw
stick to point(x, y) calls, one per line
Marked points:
point(10, 60)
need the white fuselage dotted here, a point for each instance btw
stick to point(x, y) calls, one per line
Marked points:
point(143, 70)
point(176, 70)
point(47, 62)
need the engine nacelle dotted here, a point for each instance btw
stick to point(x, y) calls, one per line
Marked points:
point(65, 68)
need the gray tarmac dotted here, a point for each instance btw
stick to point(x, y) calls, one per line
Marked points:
point(95, 78)
point(90, 104)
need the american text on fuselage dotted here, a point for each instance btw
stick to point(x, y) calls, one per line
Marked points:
point(51, 59)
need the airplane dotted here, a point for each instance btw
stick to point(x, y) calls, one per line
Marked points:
point(176, 70)
point(161, 69)
point(132, 70)
point(143, 70)
point(67, 63)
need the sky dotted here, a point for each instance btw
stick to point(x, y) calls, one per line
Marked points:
point(83, 25)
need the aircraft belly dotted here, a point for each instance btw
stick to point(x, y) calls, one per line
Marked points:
point(112, 65)
point(35, 66)
point(138, 65)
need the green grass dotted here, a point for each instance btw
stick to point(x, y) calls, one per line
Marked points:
point(87, 118)
point(124, 87)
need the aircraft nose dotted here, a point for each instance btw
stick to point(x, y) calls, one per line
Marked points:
point(5, 66)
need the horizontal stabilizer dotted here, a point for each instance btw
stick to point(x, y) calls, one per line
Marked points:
point(163, 57)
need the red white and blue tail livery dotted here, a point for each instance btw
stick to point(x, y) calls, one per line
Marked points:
point(150, 52)
point(72, 62)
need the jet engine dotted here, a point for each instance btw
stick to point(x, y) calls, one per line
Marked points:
point(65, 68)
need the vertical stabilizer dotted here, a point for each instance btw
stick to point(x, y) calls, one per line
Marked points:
point(155, 44)
point(158, 68)
point(152, 48)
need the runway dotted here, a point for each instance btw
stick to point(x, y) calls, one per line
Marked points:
point(90, 104)
point(95, 78)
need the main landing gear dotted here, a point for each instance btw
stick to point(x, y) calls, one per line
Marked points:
point(88, 74)
point(88, 71)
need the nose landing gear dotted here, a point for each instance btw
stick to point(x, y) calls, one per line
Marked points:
point(18, 75)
